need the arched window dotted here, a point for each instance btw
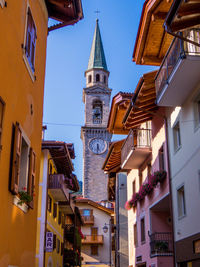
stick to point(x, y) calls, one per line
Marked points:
point(104, 78)
point(89, 78)
point(97, 77)
point(97, 112)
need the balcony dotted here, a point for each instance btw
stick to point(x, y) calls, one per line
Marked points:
point(93, 240)
point(179, 72)
point(58, 188)
point(136, 148)
point(88, 220)
point(161, 244)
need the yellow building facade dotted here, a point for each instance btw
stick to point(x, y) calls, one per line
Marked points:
point(23, 35)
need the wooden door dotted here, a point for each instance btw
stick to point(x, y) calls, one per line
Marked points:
point(94, 233)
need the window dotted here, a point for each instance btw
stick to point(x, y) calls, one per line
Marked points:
point(97, 77)
point(94, 250)
point(142, 228)
point(181, 201)
point(49, 203)
point(30, 44)
point(135, 234)
point(23, 159)
point(140, 178)
point(58, 246)
point(161, 158)
point(177, 136)
point(97, 112)
point(86, 212)
point(59, 217)
point(1, 119)
point(104, 78)
point(54, 210)
point(197, 112)
point(2, 3)
point(89, 78)
point(134, 187)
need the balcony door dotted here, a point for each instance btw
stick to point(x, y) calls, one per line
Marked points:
point(94, 233)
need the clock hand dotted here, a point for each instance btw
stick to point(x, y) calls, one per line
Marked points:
point(97, 148)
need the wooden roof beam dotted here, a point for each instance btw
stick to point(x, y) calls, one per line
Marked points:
point(151, 60)
point(138, 123)
point(158, 16)
point(185, 23)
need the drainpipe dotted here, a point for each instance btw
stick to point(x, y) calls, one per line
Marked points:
point(170, 187)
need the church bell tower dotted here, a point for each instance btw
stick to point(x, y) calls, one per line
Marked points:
point(94, 135)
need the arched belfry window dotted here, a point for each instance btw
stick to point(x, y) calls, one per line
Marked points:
point(89, 78)
point(104, 78)
point(97, 77)
point(97, 112)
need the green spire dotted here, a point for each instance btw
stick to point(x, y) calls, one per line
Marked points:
point(97, 56)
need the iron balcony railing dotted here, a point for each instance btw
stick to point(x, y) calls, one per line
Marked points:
point(161, 244)
point(178, 49)
point(57, 182)
point(137, 138)
point(93, 239)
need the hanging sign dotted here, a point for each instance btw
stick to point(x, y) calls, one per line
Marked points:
point(49, 241)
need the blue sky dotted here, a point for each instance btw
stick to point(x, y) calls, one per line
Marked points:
point(68, 51)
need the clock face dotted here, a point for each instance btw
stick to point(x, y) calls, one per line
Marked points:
point(97, 145)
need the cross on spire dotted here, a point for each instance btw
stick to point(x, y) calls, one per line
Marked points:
point(97, 12)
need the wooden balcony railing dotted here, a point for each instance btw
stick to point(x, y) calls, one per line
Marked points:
point(58, 187)
point(161, 244)
point(179, 49)
point(93, 239)
point(138, 140)
point(88, 219)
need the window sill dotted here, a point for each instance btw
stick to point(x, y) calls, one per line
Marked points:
point(23, 207)
point(28, 67)
point(181, 217)
point(177, 149)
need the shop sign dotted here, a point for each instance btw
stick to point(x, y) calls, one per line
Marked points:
point(49, 241)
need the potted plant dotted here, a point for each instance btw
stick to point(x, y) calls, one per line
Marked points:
point(24, 197)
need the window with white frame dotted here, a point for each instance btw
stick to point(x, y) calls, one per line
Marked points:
point(181, 201)
point(30, 43)
point(177, 136)
point(23, 163)
point(2, 3)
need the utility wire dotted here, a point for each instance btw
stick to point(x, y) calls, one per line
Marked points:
point(62, 124)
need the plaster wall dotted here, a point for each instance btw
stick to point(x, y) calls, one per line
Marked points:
point(185, 166)
point(143, 209)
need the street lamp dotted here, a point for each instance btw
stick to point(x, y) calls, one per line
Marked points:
point(105, 228)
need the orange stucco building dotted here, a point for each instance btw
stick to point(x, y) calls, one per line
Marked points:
point(23, 34)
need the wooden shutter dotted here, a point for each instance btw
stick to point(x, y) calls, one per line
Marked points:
point(59, 217)
point(31, 175)
point(54, 210)
point(62, 248)
point(54, 241)
point(63, 221)
point(16, 154)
